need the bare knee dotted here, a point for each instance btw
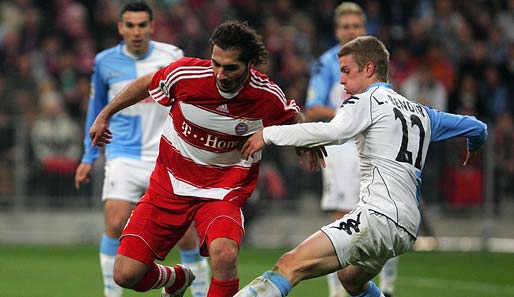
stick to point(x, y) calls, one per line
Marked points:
point(291, 267)
point(287, 262)
point(354, 280)
point(128, 272)
point(223, 253)
point(117, 213)
point(114, 225)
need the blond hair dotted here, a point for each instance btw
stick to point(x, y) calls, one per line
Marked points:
point(349, 8)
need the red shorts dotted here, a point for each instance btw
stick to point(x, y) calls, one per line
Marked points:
point(158, 222)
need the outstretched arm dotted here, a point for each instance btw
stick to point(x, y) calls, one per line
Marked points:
point(447, 125)
point(133, 93)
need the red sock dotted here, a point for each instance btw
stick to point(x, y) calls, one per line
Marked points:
point(158, 277)
point(180, 278)
point(226, 288)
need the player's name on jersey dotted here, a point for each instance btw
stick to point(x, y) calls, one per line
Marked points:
point(403, 104)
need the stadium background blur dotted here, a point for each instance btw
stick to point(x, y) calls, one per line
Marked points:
point(455, 56)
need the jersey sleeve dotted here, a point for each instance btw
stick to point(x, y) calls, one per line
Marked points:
point(161, 87)
point(282, 113)
point(353, 118)
point(319, 85)
point(97, 101)
point(277, 110)
point(446, 125)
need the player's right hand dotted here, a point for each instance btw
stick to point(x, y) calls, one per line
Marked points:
point(252, 145)
point(82, 174)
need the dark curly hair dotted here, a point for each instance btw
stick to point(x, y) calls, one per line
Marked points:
point(238, 35)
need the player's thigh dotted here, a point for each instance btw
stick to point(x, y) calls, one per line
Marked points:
point(218, 219)
point(126, 179)
point(155, 226)
point(190, 239)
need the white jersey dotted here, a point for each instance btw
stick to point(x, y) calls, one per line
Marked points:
point(392, 136)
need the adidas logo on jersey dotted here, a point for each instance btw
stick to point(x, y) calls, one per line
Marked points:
point(223, 108)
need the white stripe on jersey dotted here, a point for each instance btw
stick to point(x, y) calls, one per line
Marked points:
point(178, 74)
point(198, 155)
point(171, 80)
point(216, 122)
point(186, 69)
point(265, 82)
point(186, 189)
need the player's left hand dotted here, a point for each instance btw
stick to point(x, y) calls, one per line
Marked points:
point(469, 157)
point(314, 157)
point(252, 145)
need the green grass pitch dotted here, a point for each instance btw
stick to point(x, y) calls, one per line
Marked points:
point(39, 271)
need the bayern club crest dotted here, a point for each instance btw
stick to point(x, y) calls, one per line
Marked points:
point(241, 128)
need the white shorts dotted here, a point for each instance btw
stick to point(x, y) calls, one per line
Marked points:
point(341, 177)
point(367, 239)
point(126, 179)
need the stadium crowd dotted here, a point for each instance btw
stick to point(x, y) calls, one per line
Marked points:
point(459, 55)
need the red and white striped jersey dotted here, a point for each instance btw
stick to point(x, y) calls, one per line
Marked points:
point(198, 154)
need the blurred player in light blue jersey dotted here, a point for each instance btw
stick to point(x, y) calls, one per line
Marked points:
point(341, 175)
point(392, 135)
point(130, 158)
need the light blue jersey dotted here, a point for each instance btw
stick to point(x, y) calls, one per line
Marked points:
point(324, 86)
point(137, 129)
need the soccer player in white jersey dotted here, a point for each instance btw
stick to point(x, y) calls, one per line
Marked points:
point(199, 173)
point(392, 136)
point(131, 157)
point(341, 175)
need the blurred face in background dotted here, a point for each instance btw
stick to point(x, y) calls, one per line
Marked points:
point(349, 26)
point(136, 28)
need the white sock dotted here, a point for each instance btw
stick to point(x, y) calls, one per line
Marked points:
point(111, 289)
point(259, 287)
point(335, 289)
point(388, 275)
point(202, 272)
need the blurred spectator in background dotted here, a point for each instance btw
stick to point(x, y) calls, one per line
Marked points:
point(403, 64)
point(504, 157)
point(425, 88)
point(466, 98)
point(55, 145)
point(495, 90)
point(7, 138)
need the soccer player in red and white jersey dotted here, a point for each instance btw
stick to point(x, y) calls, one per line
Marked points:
point(199, 175)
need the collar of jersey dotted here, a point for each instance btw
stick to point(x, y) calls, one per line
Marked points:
point(379, 84)
point(123, 49)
